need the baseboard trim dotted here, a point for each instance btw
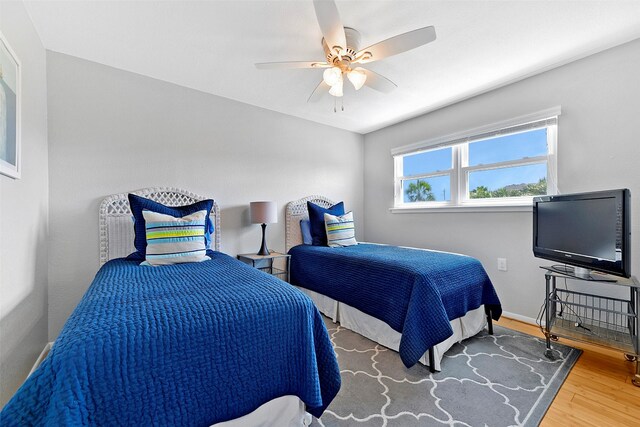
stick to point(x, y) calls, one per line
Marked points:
point(520, 318)
point(43, 354)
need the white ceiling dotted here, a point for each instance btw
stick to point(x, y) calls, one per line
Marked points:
point(212, 46)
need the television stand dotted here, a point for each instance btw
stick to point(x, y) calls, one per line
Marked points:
point(580, 273)
point(595, 319)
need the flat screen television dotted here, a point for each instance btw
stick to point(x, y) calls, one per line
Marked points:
point(587, 230)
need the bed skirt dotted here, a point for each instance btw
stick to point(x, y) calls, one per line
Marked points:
point(285, 411)
point(376, 330)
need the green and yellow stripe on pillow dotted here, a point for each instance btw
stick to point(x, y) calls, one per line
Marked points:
point(175, 240)
point(340, 230)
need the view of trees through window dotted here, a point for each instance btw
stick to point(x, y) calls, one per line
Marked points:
point(421, 191)
point(512, 190)
point(427, 189)
point(512, 165)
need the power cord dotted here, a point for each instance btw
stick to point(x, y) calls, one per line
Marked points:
point(563, 303)
point(541, 313)
point(579, 323)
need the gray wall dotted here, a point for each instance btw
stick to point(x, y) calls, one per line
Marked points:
point(23, 214)
point(598, 148)
point(112, 131)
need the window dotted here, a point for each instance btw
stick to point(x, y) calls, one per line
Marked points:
point(494, 166)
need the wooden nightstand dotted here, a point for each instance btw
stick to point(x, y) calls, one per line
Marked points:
point(266, 263)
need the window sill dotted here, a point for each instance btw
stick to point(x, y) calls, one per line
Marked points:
point(469, 208)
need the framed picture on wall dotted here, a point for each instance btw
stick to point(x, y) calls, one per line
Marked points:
point(9, 111)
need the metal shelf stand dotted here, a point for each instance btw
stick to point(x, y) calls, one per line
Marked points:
point(602, 320)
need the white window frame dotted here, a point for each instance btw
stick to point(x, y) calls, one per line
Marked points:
point(399, 192)
point(460, 170)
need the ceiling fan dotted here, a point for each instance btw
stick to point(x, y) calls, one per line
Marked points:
point(343, 54)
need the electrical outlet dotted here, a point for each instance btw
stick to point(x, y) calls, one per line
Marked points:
point(502, 264)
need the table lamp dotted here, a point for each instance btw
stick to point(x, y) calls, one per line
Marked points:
point(263, 213)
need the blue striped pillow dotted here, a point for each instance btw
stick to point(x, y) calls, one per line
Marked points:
point(139, 204)
point(173, 240)
point(340, 230)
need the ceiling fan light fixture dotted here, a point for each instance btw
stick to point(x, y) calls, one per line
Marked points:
point(332, 76)
point(357, 77)
point(336, 89)
point(342, 50)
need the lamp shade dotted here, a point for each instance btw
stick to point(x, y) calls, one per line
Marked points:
point(332, 75)
point(263, 212)
point(357, 77)
point(336, 89)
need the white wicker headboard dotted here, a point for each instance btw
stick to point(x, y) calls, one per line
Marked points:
point(116, 226)
point(296, 211)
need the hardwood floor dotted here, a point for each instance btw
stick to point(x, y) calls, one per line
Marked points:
point(598, 391)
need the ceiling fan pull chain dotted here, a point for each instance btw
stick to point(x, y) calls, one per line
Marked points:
point(335, 110)
point(342, 102)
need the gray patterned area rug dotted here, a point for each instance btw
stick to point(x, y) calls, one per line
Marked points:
point(493, 380)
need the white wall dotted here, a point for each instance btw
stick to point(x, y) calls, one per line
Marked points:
point(112, 131)
point(598, 148)
point(23, 214)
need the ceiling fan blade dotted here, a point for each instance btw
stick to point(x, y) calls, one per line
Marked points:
point(379, 82)
point(321, 90)
point(289, 65)
point(398, 44)
point(330, 23)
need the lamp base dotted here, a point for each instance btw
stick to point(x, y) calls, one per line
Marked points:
point(263, 248)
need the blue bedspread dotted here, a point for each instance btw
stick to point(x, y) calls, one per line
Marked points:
point(416, 292)
point(182, 345)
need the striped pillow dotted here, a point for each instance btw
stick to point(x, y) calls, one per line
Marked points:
point(173, 240)
point(340, 230)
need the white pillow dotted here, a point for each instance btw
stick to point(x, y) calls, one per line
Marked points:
point(340, 230)
point(173, 240)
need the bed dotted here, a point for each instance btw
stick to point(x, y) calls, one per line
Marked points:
point(414, 301)
point(208, 343)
